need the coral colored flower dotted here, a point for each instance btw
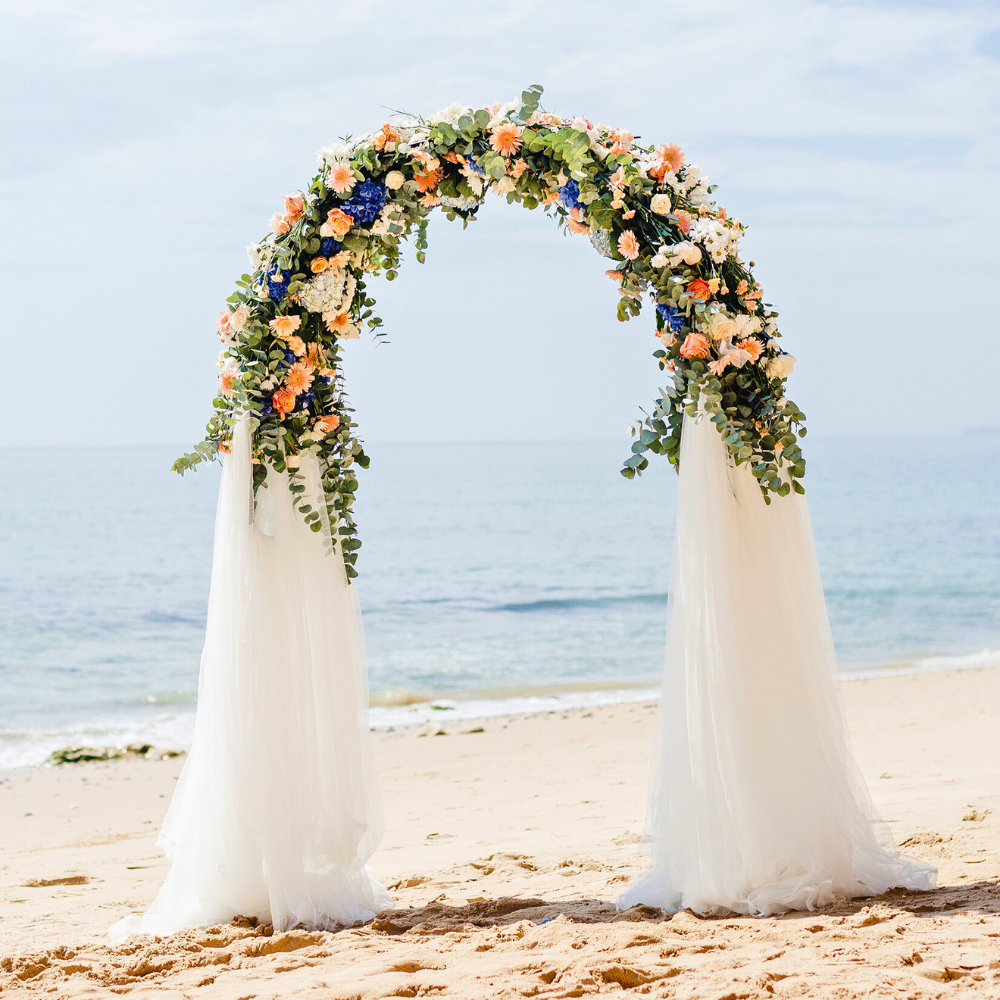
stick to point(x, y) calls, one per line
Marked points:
point(337, 224)
point(225, 447)
point(340, 259)
point(342, 178)
point(615, 275)
point(283, 401)
point(299, 378)
point(506, 138)
point(551, 197)
point(683, 220)
point(577, 227)
point(753, 347)
point(337, 322)
point(279, 225)
point(518, 168)
point(227, 380)
point(617, 179)
point(386, 135)
point(699, 288)
point(329, 423)
point(718, 366)
point(294, 205)
point(285, 326)
point(695, 346)
point(296, 345)
point(428, 180)
point(318, 264)
point(622, 137)
point(430, 200)
point(670, 157)
point(222, 323)
point(628, 245)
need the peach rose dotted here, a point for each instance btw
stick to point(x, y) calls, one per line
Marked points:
point(337, 224)
point(294, 205)
point(660, 204)
point(700, 289)
point(695, 346)
point(278, 224)
point(283, 401)
point(394, 180)
point(318, 264)
point(238, 318)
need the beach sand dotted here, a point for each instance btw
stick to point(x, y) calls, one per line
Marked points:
point(506, 844)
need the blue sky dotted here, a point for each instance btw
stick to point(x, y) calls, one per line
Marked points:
point(147, 144)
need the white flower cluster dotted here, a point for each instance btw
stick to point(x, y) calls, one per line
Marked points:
point(450, 115)
point(339, 152)
point(504, 110)
point(781, 366)
point(719, 240)
point(673, 255)
point(330, 291)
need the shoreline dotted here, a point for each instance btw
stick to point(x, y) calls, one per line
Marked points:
point(402, 709)
point(506, 844)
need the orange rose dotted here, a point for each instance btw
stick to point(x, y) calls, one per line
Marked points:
point(695, 346)
point(283, 401)
point(699, 289)
point(318, 264)
point(337, 224)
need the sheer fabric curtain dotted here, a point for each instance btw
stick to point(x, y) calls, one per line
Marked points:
point(756, 803)
point(277, 810)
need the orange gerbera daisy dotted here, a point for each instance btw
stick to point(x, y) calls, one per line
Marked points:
point(285, 326)
point(427, 180)
point(506, 138)
point(342, 178)
point(628, 245)
point(329, 423)
point(337, 323)
point(299, 378)
point(615, 275)
point(752, 346)
point(577, 227)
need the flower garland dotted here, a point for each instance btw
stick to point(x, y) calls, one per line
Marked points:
point(642, 207)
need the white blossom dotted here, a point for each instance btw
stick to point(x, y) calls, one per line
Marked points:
point(450, 115)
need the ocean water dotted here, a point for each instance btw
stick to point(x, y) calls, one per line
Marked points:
point(494, 577)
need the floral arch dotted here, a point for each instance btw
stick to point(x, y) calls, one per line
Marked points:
point(642, 207)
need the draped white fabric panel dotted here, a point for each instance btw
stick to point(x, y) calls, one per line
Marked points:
point(756, 804)
point(277, 809)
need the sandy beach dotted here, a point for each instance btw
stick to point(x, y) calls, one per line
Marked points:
point(506, 843)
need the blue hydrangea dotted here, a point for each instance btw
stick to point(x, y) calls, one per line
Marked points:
point(328, 246)
point(569, 195)
point(290, 358)
point(324, 379)
point(267, 408)
point(672, 319)
point(277, 289)
point(305, 398)
point(366, 202)
point(475, 167)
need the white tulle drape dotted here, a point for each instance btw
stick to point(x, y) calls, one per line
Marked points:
point(756, 804)
point(277, 809)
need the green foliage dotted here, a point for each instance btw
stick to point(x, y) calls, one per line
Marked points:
point(452, 162)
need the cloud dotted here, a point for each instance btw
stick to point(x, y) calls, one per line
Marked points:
point(149, 143)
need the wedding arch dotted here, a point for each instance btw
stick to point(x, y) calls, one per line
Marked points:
point(756, 804)
point(641, 206)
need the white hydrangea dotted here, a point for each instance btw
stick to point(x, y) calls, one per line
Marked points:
point(329, 291)
point(450, 115)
